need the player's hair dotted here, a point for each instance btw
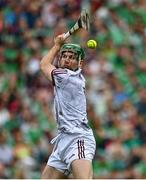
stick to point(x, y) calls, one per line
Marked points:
point(75, 48)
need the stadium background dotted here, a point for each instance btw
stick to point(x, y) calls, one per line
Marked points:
point(116, 81)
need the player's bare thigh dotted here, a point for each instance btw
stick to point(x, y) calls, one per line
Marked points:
point(82, 169)
point(52, 173)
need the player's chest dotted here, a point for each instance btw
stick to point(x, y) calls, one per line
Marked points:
point(75, 82)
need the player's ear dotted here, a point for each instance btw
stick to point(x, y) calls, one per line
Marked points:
point(80, 63)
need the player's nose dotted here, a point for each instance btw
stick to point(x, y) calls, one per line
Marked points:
point(67, 60)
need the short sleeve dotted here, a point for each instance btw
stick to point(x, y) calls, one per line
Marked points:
point(59, 77)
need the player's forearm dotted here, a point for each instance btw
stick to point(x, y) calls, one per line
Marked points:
point(46, 64)
point(48, 59)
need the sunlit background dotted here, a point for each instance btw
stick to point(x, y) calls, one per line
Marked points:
point(116, 84)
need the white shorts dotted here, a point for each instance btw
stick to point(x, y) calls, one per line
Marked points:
point(69, 147)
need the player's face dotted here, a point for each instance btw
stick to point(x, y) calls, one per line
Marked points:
point(69, 60)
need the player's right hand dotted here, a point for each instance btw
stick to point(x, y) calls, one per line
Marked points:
point(59, 40)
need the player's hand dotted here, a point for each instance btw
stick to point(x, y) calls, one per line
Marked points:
point(59, 40)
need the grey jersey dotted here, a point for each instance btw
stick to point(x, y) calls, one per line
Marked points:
point(70, 100)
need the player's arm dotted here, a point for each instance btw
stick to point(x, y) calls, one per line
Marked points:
point(46, 64)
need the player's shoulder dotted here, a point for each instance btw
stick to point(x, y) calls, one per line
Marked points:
point(58, 71)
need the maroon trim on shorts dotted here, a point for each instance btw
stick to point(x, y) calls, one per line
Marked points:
point(81, 149)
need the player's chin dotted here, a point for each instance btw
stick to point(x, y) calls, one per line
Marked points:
point(66, 66)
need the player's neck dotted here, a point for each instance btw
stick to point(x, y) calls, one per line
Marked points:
point(73, 69)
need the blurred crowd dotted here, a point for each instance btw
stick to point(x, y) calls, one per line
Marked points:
point(116, 84)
